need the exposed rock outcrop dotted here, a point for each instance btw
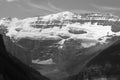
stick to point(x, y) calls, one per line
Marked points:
point(60, 45)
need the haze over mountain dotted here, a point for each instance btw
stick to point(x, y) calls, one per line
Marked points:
point(27, 8)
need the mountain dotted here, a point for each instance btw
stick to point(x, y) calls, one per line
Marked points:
point(61, 45)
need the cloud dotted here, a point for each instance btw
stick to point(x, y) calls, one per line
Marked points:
point(81, 11)
point(40, 7)
point(37, 5)
point(54, 7)
point(106, 8)
point(47, 6)
point(11, 0)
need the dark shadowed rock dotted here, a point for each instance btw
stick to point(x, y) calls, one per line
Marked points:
point(13, 69)
point(104, 66)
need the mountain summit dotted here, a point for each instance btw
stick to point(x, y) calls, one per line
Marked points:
point(55, 43)
point(62, 25)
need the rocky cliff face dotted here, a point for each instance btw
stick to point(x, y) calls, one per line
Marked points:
point(60, 45)
point(12, 68)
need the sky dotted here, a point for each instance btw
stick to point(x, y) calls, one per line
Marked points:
point(31, 8)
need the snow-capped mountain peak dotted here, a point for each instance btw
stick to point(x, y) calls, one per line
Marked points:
point(58, 16)
point(63, 26)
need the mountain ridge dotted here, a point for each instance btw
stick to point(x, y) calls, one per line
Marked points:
point(66, 23)
point(60, 41)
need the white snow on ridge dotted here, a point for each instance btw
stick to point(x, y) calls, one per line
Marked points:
point(19, 29)
point(93, 31)
point(48, 61)
point(61, 16)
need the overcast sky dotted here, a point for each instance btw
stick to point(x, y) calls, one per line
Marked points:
point(27, 8)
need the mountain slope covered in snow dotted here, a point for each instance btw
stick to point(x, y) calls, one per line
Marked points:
point(63, 26)
point(60, 41)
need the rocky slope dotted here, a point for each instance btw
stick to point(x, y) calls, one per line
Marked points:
point(60, 45)
point(12, 68)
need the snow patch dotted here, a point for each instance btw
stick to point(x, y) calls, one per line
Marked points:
point(37, 61)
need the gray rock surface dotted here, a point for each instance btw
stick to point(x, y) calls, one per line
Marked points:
point(60, 56)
